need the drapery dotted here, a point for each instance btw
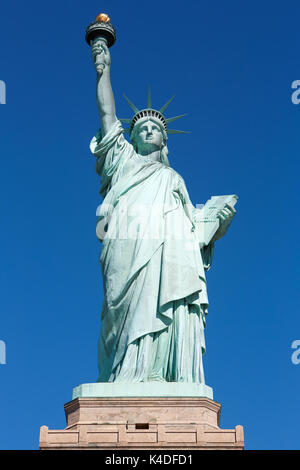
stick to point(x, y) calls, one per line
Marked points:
point(153, 314)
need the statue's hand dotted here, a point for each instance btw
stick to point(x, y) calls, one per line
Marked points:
point(225, 217)
point(101, 55)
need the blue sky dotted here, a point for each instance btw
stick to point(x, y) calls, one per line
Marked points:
point(231, 65)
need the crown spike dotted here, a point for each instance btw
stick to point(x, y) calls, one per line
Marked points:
point(126, 121)
point(175, 118)
point(126, 131)
point(149, 103)
point(173, 131)
point(133, 107)
point(166, 105)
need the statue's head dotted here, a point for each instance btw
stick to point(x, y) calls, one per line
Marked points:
point(148, 135)
point(148, 129)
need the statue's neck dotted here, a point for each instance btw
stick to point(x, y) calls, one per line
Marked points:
point(155, 156)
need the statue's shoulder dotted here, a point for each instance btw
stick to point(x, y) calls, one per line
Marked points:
point(176, 175)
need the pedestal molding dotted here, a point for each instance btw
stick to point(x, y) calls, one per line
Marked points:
point(144, 423)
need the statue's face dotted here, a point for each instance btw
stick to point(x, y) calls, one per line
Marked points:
point(149, 136)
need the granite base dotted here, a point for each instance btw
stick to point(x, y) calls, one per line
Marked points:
point(153, 422)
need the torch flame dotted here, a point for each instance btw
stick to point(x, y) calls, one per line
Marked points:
point(103, 17)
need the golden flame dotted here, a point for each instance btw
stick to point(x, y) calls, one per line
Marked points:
point(103, 17)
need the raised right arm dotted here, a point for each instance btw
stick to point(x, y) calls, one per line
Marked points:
point(105, 96)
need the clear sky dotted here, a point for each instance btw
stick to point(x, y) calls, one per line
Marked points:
point(231, 65)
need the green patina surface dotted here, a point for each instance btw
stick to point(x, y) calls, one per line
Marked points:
point(156, 249)
point(146, 389)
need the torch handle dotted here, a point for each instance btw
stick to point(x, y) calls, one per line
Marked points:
point(99, 64)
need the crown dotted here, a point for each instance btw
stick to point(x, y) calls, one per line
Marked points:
point(150, 112)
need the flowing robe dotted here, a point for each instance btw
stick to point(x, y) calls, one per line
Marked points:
point(155, 299)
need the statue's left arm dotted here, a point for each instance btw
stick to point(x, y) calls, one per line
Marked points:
point(225, 217)
point(196, 216)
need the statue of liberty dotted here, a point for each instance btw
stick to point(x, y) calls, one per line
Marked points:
point(153, 259)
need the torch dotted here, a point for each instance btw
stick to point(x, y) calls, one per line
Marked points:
point(101, 29)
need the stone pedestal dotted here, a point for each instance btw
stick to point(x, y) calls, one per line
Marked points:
point(163, 423)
